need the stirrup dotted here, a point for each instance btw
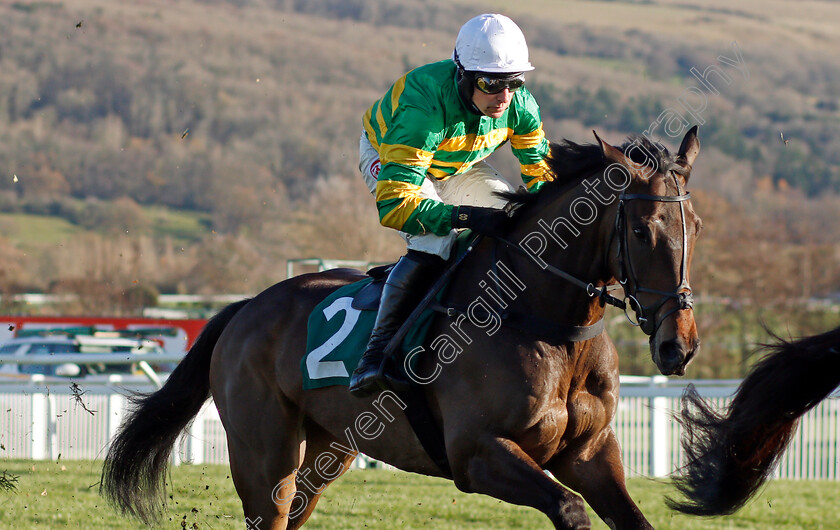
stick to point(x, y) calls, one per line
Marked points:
point(383, 379)
point(391, 379)
point(367, 382)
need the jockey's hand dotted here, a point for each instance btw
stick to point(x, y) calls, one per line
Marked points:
point(488, 221)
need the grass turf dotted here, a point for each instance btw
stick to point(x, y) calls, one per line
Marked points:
point(65, 495)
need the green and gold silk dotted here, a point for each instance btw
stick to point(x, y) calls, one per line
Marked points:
point(422, 128)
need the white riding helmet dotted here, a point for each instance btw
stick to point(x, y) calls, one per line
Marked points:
point(493, 44)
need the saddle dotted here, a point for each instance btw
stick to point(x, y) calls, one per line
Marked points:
point(367, 299)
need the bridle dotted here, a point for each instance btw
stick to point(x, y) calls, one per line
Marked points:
point(646, 315)
point(627, 276)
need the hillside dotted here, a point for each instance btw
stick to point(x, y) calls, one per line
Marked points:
point(167, 103)
point(194, 146)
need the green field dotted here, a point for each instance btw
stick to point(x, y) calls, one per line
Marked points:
point(64, 495)
point(41, 229)
point(29, 230)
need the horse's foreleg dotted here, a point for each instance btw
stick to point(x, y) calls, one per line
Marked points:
point(498, 467)
point(596, 472)
point(322, 464)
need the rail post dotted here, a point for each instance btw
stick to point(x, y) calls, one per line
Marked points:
point(660, 447)
point(116, 408)
point(44, 440)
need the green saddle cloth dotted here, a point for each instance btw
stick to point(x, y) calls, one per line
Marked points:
point(337, 335)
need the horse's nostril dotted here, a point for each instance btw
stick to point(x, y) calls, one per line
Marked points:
point(691, 353)
point(673, 358)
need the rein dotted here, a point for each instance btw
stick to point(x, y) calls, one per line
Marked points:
point(683, 294)
point(590, 288)
point(555, 332)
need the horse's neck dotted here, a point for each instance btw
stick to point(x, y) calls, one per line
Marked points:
point(579, 254)
point(532, 290)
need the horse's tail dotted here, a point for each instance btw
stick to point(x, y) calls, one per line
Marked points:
point(134, 471)
point(731, 455)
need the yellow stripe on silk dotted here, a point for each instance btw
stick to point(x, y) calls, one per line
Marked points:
point(471, 142)
point(405, 155)
point(532, 183)
point(380, 120)
point(438, 174)
point(442, 164)
point(371, 134)
point(493, 139)
point(460, 167)
point(528, 141)
point(396, 92)
point(368, 115)
point(539, 169)
point(457, 143)
point(407, 192)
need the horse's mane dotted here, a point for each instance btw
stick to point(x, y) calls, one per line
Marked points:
point(571, 162)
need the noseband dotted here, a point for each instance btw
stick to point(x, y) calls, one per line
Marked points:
point(646, 315)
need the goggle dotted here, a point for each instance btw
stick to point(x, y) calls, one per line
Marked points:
point(493, 85)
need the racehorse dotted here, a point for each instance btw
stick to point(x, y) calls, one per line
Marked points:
point(512, 397)
point(730, 455)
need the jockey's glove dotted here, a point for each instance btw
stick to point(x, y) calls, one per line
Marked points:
point(488, 221)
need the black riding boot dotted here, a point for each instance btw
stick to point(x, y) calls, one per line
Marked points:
point(406, 285)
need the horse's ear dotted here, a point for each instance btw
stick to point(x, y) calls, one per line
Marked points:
point(611, 153)
point(689, 149)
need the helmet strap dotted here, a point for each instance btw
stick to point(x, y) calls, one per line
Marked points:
point(466, 85)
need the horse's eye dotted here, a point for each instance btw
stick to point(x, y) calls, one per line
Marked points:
point(641, 233)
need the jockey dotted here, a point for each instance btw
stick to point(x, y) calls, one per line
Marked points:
point(421, 154)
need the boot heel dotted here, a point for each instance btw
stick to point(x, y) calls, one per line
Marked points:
point(390, 378)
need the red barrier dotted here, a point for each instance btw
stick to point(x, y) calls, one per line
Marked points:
point(176, 335)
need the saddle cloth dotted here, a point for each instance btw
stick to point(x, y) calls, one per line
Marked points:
point(338, 331)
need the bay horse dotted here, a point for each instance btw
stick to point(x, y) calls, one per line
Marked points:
point(512, 397)
point(731, 454)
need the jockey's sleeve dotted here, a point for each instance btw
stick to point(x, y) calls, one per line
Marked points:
point(406, 153)
point(529, 143)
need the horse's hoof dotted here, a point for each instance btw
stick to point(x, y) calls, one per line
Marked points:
point(572, 515)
